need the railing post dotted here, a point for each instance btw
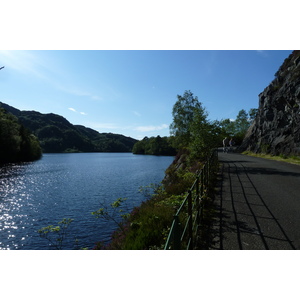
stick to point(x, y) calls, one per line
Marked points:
point(202, 183)
point(176, 236)
point(197, 191)
point(198, 197)
point(204, 177)
point(207, 174)
point(190, 216)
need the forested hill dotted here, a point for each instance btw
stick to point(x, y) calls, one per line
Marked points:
point(57, 135)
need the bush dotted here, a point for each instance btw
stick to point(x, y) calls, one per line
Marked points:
point(146, 225)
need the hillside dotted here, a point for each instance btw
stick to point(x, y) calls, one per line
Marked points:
point(56, 134)
point(276, 128)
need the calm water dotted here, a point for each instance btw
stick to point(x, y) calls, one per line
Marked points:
point(34, 195)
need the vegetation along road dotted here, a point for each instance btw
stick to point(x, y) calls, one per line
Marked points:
point(258, 203)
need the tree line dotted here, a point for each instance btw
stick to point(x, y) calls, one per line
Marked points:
point(155, 146)
point(192, 131)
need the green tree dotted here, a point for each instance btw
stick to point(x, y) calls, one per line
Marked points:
point(242, 123)
point(154, 146)
point(184, 111)
point(237, 128)
point(252, 114)
point(227, 127)
point(205, 136)
point(30, 148)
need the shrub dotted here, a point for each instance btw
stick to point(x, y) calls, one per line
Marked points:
point(147, 225)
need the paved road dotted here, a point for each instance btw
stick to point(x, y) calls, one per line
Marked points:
point(258, 204)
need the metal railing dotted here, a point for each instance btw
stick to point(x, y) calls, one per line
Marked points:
point(187, 220)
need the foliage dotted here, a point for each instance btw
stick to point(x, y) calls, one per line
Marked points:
point(237, 128)
point(252, 114)
point(191, 128)
point(145, 227)
point(154, 146)
point(178, 181)
point(113, 212)
point(205, 136)
point(183, 112)
point(148, 226)
point(16, 142)
point(56, 234)
point(242, 123)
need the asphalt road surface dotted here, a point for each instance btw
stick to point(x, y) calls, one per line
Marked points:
point(258, 202)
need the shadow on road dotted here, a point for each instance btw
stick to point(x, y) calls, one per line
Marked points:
point(242, 219)
point(270, 171)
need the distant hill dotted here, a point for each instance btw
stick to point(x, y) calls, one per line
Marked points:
point(56, 134)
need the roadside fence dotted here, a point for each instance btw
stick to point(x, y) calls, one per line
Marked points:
point(188, 218)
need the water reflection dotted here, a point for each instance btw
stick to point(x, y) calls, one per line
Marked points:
point(34, 195)
point(12, 195)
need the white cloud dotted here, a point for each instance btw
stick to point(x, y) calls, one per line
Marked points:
point(75, 111)
point(151, 128)
point(24, 62)
point(78, 92)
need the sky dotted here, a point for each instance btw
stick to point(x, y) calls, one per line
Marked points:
point(132, 92)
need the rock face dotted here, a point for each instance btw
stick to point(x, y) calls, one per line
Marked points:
point(276, 129)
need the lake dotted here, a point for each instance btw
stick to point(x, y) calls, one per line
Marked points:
point(42, 193)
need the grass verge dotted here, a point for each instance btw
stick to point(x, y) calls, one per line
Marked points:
point(289, 159)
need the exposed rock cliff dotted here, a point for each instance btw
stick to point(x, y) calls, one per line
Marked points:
point(276, 129)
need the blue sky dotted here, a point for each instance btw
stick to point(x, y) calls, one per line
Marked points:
point(133, 92)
